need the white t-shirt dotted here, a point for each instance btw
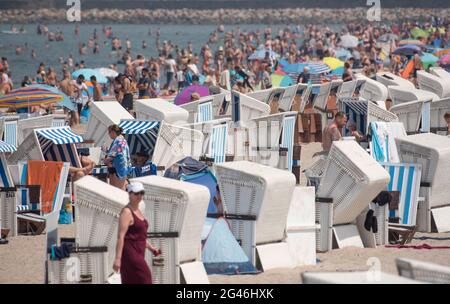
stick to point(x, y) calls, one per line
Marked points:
point(180, 76)
point(170, 65)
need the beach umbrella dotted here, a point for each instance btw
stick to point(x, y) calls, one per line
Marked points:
point(290, 68)
point(66, 102)
point(349, 41)
point(388, 37)
point(407, 50)
point(185, 95)
point(109, 73)
point(333, 63)
point(87, 73)
point(28, 97)
point(428, 59)
point(445, 60)
point(260, 54)
point(419, 33)
point(281, 81)
point(410, 41)
point(316, 67)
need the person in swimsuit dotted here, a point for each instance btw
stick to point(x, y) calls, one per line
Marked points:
point(132, 241)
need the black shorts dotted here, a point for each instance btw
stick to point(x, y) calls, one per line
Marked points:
point(127, 101)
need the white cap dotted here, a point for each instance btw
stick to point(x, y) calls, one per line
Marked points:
point(135, 187)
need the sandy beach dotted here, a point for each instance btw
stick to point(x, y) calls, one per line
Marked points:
point(22, 260)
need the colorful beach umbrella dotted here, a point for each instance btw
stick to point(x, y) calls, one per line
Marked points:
point(66, 102)
point(442, 52)
point(185, 95)
point(408, 50)
point(349, 41)
point(428, 59)
point(333, 63)
point(316, 67)
point(281, 81)
point(87, 73)
point(29, 97)
point(419, 33)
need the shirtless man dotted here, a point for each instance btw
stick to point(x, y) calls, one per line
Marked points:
point(333, 131)
point(66, 84)
point(97, 89)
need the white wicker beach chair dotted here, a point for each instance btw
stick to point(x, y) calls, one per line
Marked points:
point(302, 96)
point(10, 129)
point(347, 89)
point(389, 79)
point(401, 94)
point(362, 112)
point(207, 108)
point(423, 271)
point(8, 192)
point(176, 212)
point(267, 135)
point(245, 108)
point(350, 181)
point(85, 265)
point(440, 72)
point(438, 109)
point(257, 199)
point(98, 207)
point(372, 90)
point(102, 115)
point(410, 114)
point(160, 110)
point(26, 126)
point(433, 153)
point(301, 226)
point(434, 84)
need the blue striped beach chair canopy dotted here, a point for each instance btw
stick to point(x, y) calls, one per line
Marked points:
point(141, 135)
point(6, 148)
point(58, 144)
point(405, 178)
point(6, 180)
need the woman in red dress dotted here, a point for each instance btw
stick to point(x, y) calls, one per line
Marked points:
point(132, 241)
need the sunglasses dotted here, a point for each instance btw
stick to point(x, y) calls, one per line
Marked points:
point(138, 193)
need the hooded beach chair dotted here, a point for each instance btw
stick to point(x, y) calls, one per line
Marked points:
point(10, 129)
point(433, 153)
point(383, 135)
point(389, 79)
point(217, 142)
point(301, 97)
point(411, 114)
point(176, 213)
point(165, 144)
point(372, 90)
point(256, 200)
point(363, 112)
point(52, 144)
point(434, 84)
point(440, 72)
point(270, 138)
point(438, 109)
point(400, 94)
point(59, 120)
point(156, 109)
point(8, 191)
point(301, 226)
point(245, 108)
point(283, 96)
point(207, 108)
point(347, 89)
point(26, 126)
point(351, 180)
point(98, 207)
point(103, 114)
point(423, 271)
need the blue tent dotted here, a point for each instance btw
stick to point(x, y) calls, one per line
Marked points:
point(196, 172)
point(221, 253)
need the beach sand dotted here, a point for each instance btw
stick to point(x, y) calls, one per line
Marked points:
point(22, 260)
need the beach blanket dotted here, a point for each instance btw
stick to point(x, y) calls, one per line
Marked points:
point(46, 174)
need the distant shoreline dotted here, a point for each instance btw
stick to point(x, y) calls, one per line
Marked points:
point(220, 16)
